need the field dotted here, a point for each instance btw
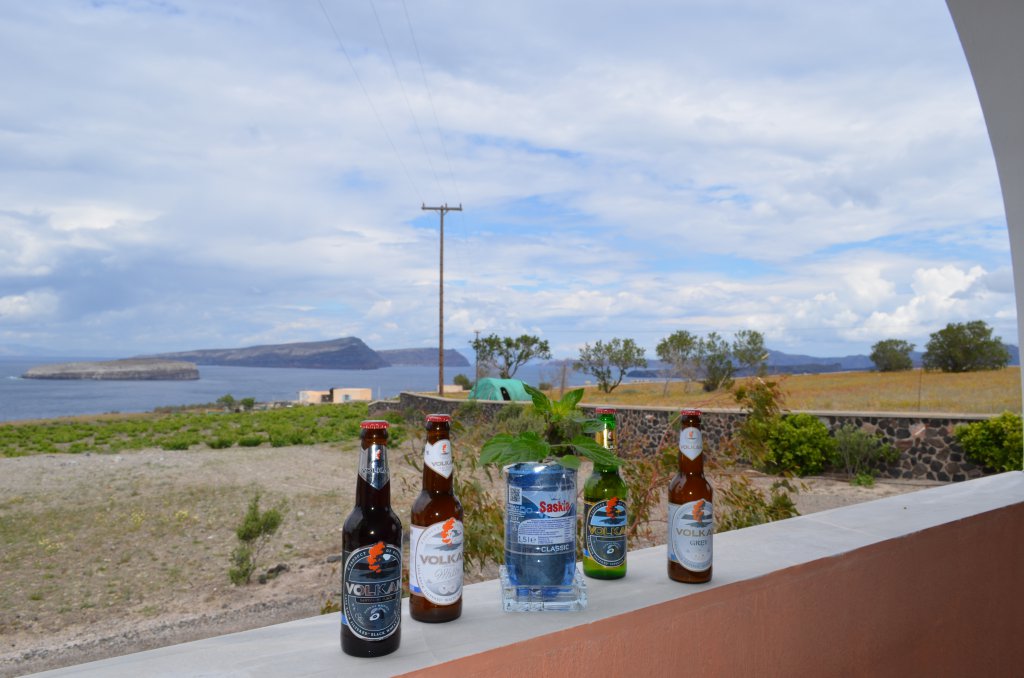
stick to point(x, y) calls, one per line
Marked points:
point(116, 531)
point(913, 391)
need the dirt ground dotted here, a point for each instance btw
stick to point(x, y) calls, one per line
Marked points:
point(110, 554)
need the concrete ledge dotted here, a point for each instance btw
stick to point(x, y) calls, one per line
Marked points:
point(926, 583)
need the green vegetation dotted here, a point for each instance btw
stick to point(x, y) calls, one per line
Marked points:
point(307, 425)
point(997, 443)
point(965, 347)
point(746, 505)
point(892, 355)
point(713, 357)
point(508, 354)
point(859, 453)
point(609, 362)
point(254, 533)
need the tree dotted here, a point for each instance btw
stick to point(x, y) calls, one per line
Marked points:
point(508, 354)
point(678, 350)
point(892, 355)
point(602, 359)
point(965, 347)
point(749, 351)
point(713, 357)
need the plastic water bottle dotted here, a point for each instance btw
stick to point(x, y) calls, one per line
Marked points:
point(540, 524)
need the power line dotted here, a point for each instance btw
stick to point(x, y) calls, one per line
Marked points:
point(366, 93)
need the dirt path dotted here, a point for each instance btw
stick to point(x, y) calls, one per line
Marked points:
point(110, 554)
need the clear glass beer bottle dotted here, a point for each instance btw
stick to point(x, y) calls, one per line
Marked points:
point(435, 546)
point(605, 515)
point(371, 575)
point(690, 510)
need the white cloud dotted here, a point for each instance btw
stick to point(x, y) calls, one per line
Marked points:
point(35, 305)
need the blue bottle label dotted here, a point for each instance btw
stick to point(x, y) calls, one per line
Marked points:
point(371, 591)
point(605, 526)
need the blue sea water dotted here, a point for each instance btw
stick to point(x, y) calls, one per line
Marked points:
point(44, 398)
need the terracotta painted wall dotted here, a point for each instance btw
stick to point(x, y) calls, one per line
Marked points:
point(947, 601)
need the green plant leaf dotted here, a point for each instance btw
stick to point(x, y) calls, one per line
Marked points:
point(590, 449)
point(541, 403)
point(504, 448)
point(571, 399)
point(569, 461)
point(590, 425)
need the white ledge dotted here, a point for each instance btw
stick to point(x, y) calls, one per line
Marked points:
point(310, 647)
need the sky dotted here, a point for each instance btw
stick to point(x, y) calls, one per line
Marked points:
point(190, 174)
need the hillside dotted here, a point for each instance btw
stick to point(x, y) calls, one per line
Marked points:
point(118, 370)
point(422, 357)
point(347, 353)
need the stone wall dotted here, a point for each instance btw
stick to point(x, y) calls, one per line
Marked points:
point(928, 449)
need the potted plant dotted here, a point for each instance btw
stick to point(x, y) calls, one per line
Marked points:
point(540, 498)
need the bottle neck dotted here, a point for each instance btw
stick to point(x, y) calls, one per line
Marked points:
point(691, 467)
point(373, 486)
point(435, 482)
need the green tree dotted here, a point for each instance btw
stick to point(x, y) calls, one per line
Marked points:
point(254, 533)
point(965, 347)
point(227, 401)
point(749, 351)
point(713, 358)
point(463, 381)
point(602, 360)
point(508, 354)
point(892, 355)
point(678, 350)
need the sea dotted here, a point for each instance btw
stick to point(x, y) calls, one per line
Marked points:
point(22, 399)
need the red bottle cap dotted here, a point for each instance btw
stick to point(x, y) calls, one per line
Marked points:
point(439, 418)
point(604, 410)
point(374, 424)
point(689, 413)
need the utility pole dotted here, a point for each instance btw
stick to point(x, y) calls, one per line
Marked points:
point(476, 355)
point(442, 209)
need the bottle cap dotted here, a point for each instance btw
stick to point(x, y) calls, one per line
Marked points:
point(374, 424)
point(439, 418)
point(604, 410)
point(690, 413)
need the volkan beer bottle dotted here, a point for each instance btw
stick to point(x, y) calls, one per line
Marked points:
point(435, 546)
point(371, 575)
point(604, 512)
point(690, 512)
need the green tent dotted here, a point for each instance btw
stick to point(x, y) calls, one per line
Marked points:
point(489, 388)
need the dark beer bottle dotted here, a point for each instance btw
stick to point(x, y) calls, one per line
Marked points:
point(604, 512)
point(371, 575)
point(435, 546)
point(690, 512)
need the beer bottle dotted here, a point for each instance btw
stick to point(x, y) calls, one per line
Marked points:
point(604, 512)
point(371, 575)
point(435, 546)
point(690, 513)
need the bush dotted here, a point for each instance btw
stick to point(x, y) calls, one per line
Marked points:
point(254, 533)
point(762, 401)
point(859, 453)
point(745, 505)
point(996, 443)
point(798, 444)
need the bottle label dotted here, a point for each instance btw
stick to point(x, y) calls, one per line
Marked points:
point(438, 456)
point(373, 466)
point(371, 591)
point(436, 568)
point(540, 522)
point(605, 525)
point(691, 531)
point(606, 438)
point(691, 442)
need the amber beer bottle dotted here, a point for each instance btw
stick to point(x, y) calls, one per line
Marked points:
point(690, 511)
point(371, 575)
point(435, 546)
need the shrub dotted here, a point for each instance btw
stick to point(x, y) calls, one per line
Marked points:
point(463, 381)
point(762, 402)
point(859, 453)
point(220, 443)
point(798, 444)
point(254, 533)
point(251, 441)
point(745, 505)
point(996, 443)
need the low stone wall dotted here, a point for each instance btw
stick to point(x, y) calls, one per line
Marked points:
point(926, 443)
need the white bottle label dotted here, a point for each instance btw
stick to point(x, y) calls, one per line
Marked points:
point(436, 568)
point(438, 456)
point(691, 442)
point(691, 531)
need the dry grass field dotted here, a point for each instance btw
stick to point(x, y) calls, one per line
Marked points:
point(913, 391)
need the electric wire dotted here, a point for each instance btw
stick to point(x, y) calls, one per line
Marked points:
point(366, 93)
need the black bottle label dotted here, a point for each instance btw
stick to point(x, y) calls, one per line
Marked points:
point(371, 591)
point(373, 466)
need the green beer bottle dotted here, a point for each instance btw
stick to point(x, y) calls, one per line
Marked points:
point(604, 512)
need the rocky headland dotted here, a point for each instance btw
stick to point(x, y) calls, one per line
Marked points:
point(133, 369)
point(347, 353)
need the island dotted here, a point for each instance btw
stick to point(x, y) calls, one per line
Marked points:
point(131, 369)
point(347, 353)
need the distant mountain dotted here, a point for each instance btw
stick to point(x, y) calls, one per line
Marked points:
point(422, 357)
point(347, 353)
point(139, 369)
